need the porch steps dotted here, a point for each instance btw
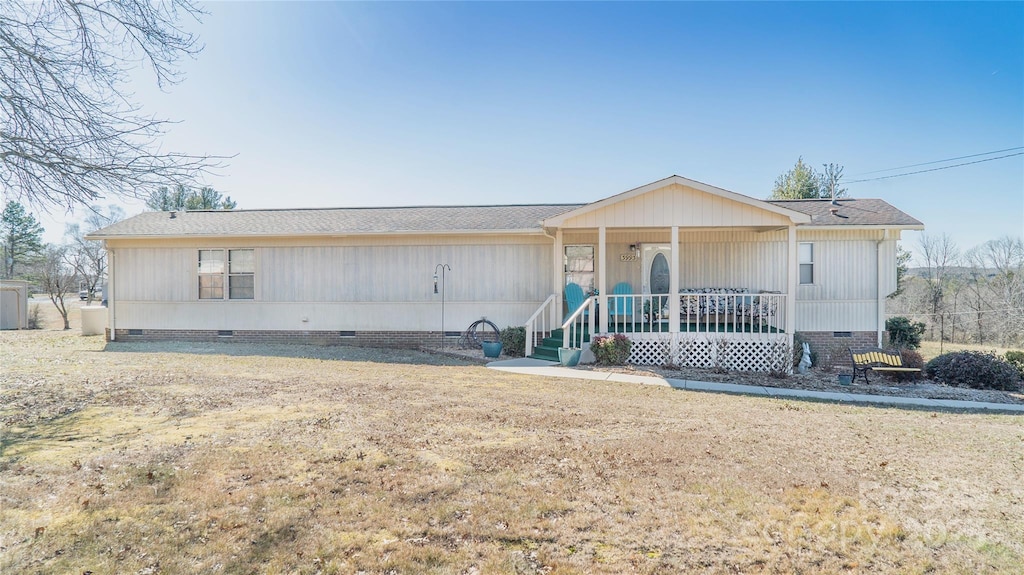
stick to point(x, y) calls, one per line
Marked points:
point(548, 348)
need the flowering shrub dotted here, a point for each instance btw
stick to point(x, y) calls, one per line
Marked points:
point(613, 350)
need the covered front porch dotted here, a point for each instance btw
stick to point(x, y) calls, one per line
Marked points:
point(736, 331)
point(693, 275)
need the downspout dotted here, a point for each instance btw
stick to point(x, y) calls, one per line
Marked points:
point(557, 271)
point(880, 298)
point(109, 292)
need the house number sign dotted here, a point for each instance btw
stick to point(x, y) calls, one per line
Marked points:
point(627, 257)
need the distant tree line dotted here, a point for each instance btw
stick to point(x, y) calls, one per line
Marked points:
point(181, 198)
point(966, 296)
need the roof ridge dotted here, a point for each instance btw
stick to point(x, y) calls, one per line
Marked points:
point(556, 205)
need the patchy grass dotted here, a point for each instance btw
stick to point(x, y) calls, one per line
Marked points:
point(930, 349)
point(220, 458)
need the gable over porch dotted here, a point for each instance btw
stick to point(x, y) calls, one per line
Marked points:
point(677, 235)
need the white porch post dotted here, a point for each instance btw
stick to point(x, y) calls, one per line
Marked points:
point(794, 274)
point(558, 279)
point(602, 277)
point(880, 299)
point(673, 282)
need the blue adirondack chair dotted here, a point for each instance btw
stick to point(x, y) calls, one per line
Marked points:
point(621, 306)
point(574, 298)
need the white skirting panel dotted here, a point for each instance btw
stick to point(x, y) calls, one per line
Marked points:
point(363, 316)
point(739, 352)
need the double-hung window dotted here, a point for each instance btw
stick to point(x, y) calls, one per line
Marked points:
point(806, 255)
point(234, 270)
point(579, 266)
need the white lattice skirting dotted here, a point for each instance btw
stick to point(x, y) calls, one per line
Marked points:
point(769, 352)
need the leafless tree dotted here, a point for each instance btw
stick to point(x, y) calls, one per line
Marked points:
point(88, 257)
point(57, 278)
point(1006, 257)
point(940, 254)
point(977, 297)
point(977, 290)
point(830, 176)
point(70, 131)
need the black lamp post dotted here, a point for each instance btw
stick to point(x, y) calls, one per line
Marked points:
point(442, 268)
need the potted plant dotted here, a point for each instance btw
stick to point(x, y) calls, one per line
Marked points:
point(492, 349)
point(845, 378)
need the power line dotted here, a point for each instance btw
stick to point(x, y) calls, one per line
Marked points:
point(969, 312)
point(933, 169)
point(940, 161)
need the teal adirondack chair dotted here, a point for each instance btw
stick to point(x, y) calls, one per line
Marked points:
point(621, 306)
point(574, 298)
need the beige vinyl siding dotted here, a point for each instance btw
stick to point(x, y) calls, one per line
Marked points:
point(343, 287)
point(157, 274)
point(403, 273)
point(730, 259)
point(677, 205)
point(844, 296)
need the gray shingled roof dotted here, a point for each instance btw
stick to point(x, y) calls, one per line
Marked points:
point(334, 221)
point(434, 219)
point(850, 212)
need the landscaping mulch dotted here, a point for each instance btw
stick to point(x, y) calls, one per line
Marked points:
point(814, 379)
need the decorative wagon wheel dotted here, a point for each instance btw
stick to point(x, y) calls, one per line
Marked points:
point(478, 332)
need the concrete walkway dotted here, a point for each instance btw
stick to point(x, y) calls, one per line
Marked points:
point(552, 369)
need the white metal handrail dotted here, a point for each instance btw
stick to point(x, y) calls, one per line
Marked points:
point(574, 324)
point(540, 323)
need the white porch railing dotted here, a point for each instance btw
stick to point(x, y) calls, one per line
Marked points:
point(698, 312)
point(573, 326)
point(541, 322)
point(745, 331)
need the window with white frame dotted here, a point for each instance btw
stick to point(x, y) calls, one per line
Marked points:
point(579, 266)
point(806, 257)
point(231, 269)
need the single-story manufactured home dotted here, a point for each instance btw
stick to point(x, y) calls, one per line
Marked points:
point(693, 274)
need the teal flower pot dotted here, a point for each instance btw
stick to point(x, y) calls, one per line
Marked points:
point(845, 378)
point(569, 357)
point(492, 349)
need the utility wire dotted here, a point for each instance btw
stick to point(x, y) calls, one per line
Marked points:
point(940, 161)
point(969, 312)
point(933, 169)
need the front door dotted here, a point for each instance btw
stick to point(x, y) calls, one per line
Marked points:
point(656, 260)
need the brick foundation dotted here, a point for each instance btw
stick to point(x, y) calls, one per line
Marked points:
point(387, 339)
point(823, 340)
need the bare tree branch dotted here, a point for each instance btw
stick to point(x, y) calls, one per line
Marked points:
point(70, 132)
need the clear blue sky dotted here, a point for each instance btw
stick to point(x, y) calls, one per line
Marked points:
point(342, 104)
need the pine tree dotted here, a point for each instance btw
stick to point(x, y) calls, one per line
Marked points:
point(22, 237)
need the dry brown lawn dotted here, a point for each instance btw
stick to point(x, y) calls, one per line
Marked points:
point(931, 349)
point(221, 458)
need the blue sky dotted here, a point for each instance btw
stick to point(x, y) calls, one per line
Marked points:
point(350, 104)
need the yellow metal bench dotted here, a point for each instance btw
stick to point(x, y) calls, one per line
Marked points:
point(877, 359)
